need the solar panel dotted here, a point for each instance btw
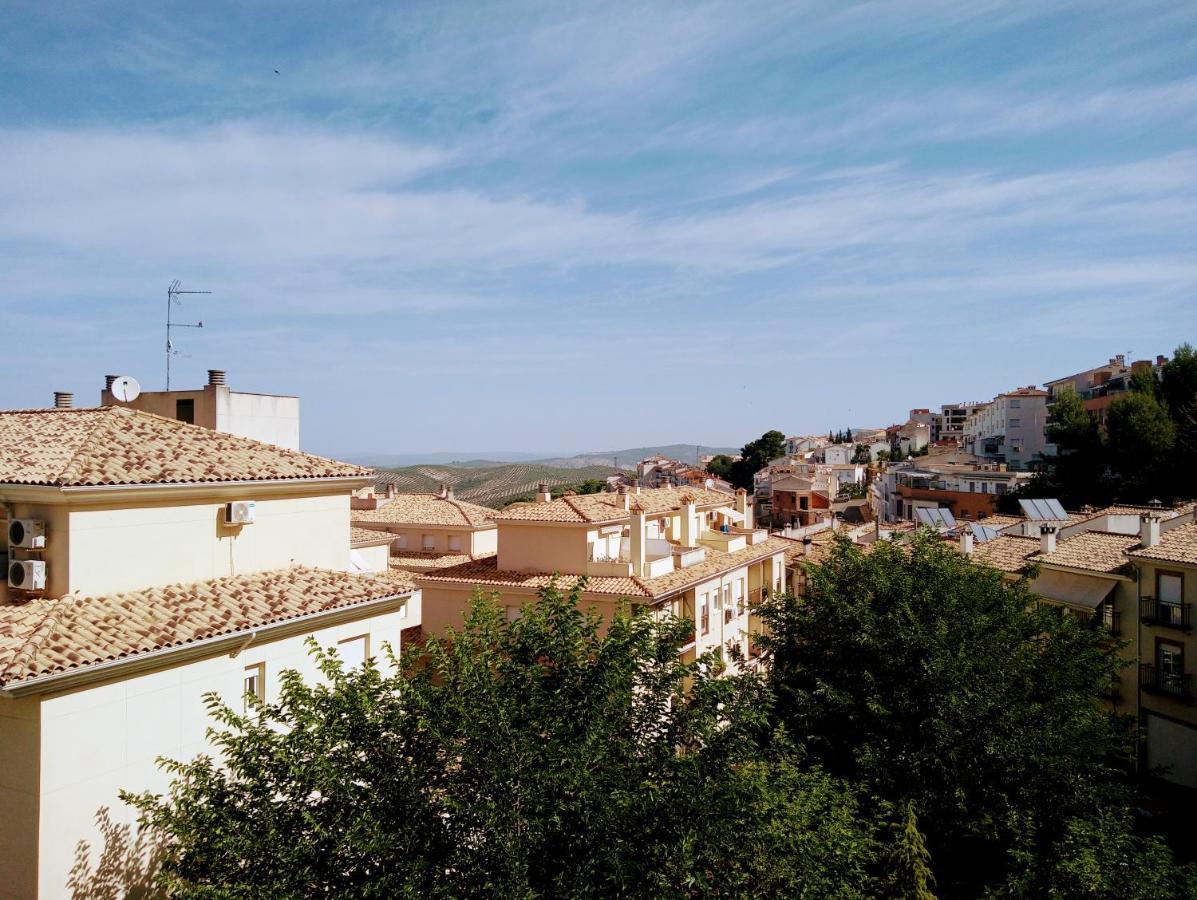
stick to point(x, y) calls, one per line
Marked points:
point(1043, 510)
point(935, 518)
point(983, 533)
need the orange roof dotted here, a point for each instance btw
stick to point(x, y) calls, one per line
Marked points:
point(114, 445)
point(46, 637)
point(1097, 551)
point(360, 537)
point(486, 572)
point(425, 509)
point(1007, 552)
point(1178, 545)
point(426, 560)
point(608, 507)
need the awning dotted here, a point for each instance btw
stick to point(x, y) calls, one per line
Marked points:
point(1072, 589)
point(734, 515)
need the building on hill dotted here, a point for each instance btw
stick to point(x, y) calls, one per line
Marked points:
point(688, 551)
point(966, 485)
point(1012, 429)
point(428, 531)
point(950, 422)
point(659, 471)
point(149, 562)
point(1098, 387)
point(270, 418)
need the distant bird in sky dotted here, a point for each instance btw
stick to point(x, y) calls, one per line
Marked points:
point(277, 72)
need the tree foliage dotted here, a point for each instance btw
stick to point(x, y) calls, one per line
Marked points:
point(940, 688)
point(517, 759)
point(754, 456)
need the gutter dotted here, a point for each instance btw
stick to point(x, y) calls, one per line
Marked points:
point(237, 641)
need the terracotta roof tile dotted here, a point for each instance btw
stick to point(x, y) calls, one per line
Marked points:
point(485, 572)
point(1178, 545)
point(360, 537)
point(608, 507)
point(426, 561)
point(116, 445)
point(1097, 551)
point(425, 509)
point(44, 637)
point(1007, 552)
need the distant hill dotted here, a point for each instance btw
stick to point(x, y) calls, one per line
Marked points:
point(628, 457)
point(493, 485)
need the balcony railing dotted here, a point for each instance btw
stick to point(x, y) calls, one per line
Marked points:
point(1166, 614)
point(1110, 619)
point(1169, 684)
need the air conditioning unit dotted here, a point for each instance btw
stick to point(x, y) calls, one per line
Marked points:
point(27, 534)
point(27, 574)
point(239, 512)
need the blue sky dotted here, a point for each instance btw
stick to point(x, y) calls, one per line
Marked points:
point(573, 226)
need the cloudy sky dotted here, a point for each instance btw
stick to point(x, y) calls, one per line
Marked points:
point(561, 226)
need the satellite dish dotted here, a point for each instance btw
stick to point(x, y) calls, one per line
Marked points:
point(126, 389)
point(710, 483)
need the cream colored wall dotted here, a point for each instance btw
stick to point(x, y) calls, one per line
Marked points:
point(20, 731)
point(374, 558)
point(476, 542)
point(114, 549)
point(485, 541)
point(540, 548)
point(129, 723)
point(164, 403)
point(263, 417)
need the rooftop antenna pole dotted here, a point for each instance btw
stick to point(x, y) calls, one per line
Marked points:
point(173, 292)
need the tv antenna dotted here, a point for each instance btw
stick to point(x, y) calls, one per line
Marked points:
point(173, 292)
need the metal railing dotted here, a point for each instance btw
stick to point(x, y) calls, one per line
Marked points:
point(1110, 619)
point(1165, 613)
point(1170, 684)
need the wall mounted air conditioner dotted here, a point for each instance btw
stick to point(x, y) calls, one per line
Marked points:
point(27, 574)
point(27, 534)
point(239, 512)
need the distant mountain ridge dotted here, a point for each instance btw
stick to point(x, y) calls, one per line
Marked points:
point(495, 486)
point(628, 457)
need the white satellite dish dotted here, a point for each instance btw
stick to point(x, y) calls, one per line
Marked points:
point(709, 483)
point(126, 389)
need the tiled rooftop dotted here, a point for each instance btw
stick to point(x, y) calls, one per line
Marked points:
point(1178, 545)
point(1096, 551)
point(364, 536)
point(426, 509)
point(44, 637)
point(427, 561)
point(608, 507)
point(1008, 552)
point(116, 445)
point(485, 572)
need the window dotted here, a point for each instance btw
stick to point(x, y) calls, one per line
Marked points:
point(1169, 587)
point(254, 683)
point(401, 542)
point(512, 612)
point(705, 615)
point(1015, 403)
point(185, 411)
point(455, 543)
point(429, 542)
point(354, 651)
point(1015, 423)
point(1171, 661)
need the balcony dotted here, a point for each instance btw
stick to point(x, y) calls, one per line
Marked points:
point(1177, 685)
point(753, 535)
point(1109, 620)
point(684, 557)
point(1166, 614)
point(727, 541)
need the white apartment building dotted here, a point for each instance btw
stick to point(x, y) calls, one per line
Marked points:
point(1011, 429)
point(150, 562)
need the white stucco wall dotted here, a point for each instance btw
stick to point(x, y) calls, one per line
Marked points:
point(114, 549)
point(263, 417)
point(97, 740)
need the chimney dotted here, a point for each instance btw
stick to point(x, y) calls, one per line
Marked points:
point(743, 508)
point(1047, 539)
point(63, 399)
point(806, 545)
point(449, 492)
point(966, 540)
point(108, 380)
point(391, 490)
point(689, 531)
point(635, 485)
point(543, 494)
point(637, 541)
point(1149, 525)
point(216, 377)
point(623, 497)
point(1161, 360)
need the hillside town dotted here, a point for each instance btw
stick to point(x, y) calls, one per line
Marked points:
point(166, 544)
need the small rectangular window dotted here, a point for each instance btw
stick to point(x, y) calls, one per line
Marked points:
point(354, 651)
point(1170, 587)
point(254, 683)
point(429, 542)
point(513, 613)
point(401, 542)
point(185, 411)
point(455, 543)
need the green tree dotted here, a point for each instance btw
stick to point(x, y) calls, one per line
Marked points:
point(1178, 390)
point(754, 456)
point(1141, 441)
point(1076, 474)
point(934, 683)
point(721, 466)
point(535, 758)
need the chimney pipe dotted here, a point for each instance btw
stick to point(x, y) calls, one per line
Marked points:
point(63, 399)
point(216, 377)
point(806, 545)
point(543, 494)
point(966, 540)
point(1149, 527)
point(108, 379)
point(1047, 539)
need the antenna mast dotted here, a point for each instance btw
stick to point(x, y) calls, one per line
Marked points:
point(173, 293)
